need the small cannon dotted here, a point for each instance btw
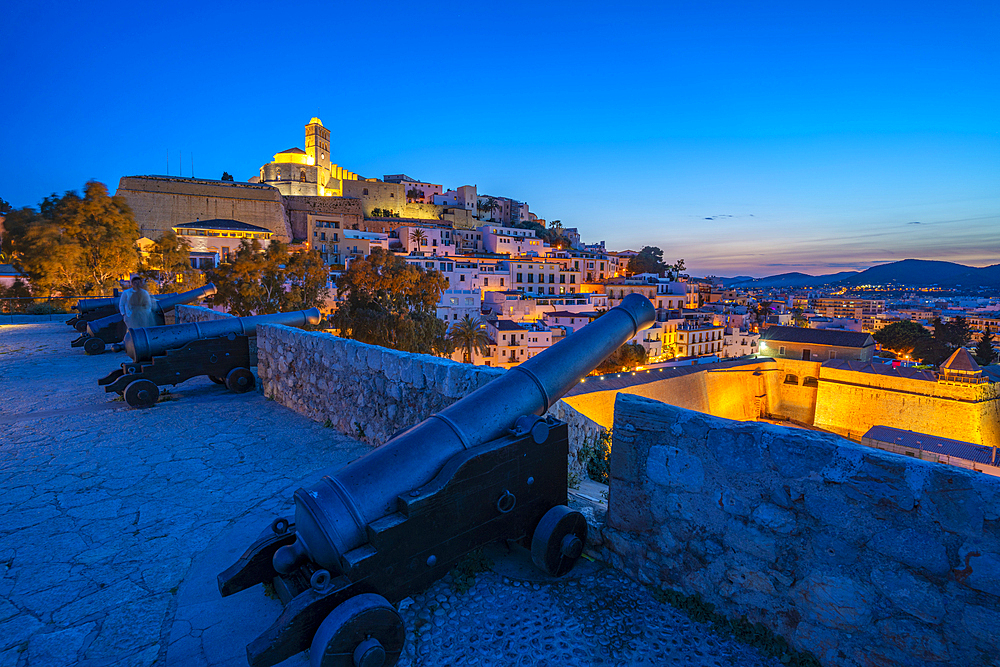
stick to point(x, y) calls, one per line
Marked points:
point(111, 329)
point(486, 468)
point(172, 354)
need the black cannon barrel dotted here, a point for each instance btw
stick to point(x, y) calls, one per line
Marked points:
point(87, 305)
point(142, 344)
point(330, 517)
point(163, 301)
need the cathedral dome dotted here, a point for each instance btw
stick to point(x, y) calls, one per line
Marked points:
point(315, 120)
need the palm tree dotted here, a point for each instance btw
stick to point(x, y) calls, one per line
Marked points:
point(419, 237)
point(468, 335)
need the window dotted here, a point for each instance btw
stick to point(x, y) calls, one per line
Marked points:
point(461, 278)
point(486, 282)
point(302, 175)
point(781, 350)
point(572, 280)
point(365, 191)
point(791, 379)
point(519, 279)
point(810, 382)
point(501, 282)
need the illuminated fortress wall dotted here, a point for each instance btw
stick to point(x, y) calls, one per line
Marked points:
point(161, 202)
point(842, 401)
point(849, 403)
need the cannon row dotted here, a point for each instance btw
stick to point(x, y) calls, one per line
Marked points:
point(98, 333)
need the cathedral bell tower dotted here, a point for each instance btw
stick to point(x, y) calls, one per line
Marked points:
point(318, 151)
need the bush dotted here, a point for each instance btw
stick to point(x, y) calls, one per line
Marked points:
point(46, 308)
point(595, 455)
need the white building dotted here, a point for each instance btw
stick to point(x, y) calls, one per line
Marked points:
point(463, 197)
point(431, 240)
point(512, 241)
point(739, 343)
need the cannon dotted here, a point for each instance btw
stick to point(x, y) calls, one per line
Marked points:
point(172, 354)
point(111, 329)
point(97, 308)
point(387, 525)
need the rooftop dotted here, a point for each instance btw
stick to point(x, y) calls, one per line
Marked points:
point(222, 224)
point(833, 337)
point(880, 369)
point(933, 443)
point(961, 362)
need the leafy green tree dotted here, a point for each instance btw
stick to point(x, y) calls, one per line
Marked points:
point(798, 318)
point(226, 176)
point(391, 303)
point(5, 208)
point(16, 298)
point(985, 353)
point(902, 337)
point(647, 260)
point(257, 282)
point(674, 270)
point(77, 245)
point(625, 358)
point(469, 335)
point(958, 333)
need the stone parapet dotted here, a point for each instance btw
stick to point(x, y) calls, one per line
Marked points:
point(367, 391)
point(184, 314)
point(374, 392)
point(860, 556)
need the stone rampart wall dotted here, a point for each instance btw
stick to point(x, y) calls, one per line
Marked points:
point(160, 203)
point(863, 557)
point(375, 391)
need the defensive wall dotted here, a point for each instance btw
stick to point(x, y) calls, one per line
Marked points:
point(160, 202)
point(302, 211)
point(849, 403)
point(863, 557)
point(807, 393)
point(373, 392)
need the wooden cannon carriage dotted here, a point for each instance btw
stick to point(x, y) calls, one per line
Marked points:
point(486, 468)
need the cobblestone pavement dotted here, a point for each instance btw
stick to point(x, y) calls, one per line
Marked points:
point(114, 523)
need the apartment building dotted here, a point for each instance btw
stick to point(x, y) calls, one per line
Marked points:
point(695, 340)
point(431, 239)
point(512, 241)
point(848, 308)
point(543, 276)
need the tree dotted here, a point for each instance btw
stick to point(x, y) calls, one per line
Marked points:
point(5, 208)
point(984, 350)
point(76, 245)
point(902, 337)
point(647, 260)
point(419, 237)
point(226, 176)
point(413, 193)
point(675, 269)
point(18, 295)
point(169, 264)
point(958, 333)
point(257, 282)
point(469, 335)
point(798, 318)
point(391, 303)
point(625, 358)
point(487, 205)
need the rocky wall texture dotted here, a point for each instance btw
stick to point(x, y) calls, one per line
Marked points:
point(373, 392)
point(184, 314)
point(861, 556)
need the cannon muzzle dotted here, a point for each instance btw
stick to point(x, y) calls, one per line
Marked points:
point(163, 302)
point(142, 344)
point(87, 305)
point(332, 515)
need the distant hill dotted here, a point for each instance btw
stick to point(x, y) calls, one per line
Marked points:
point(922, 272)
point(794, 279)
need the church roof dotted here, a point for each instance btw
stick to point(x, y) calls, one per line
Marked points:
point(962, 362)
point(297, 151)
point(835, 337)
point(315, 120)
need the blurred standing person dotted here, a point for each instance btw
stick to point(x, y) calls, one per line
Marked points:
point(137, 305)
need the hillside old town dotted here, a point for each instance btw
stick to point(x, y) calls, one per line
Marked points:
point(819, 455)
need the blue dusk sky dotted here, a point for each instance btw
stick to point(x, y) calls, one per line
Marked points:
point(745, 137)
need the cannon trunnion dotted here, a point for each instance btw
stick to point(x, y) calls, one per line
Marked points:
point(510, 488)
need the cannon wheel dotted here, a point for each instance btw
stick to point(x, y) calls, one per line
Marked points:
point(364, 631)
point(240, 380)
point(94, 345)
point(141, 393)
point(558, 540)
point(216, 380)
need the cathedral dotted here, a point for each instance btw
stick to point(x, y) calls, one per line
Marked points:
point(309, 172)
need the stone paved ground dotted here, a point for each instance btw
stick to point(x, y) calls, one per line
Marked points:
point(114, 522)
